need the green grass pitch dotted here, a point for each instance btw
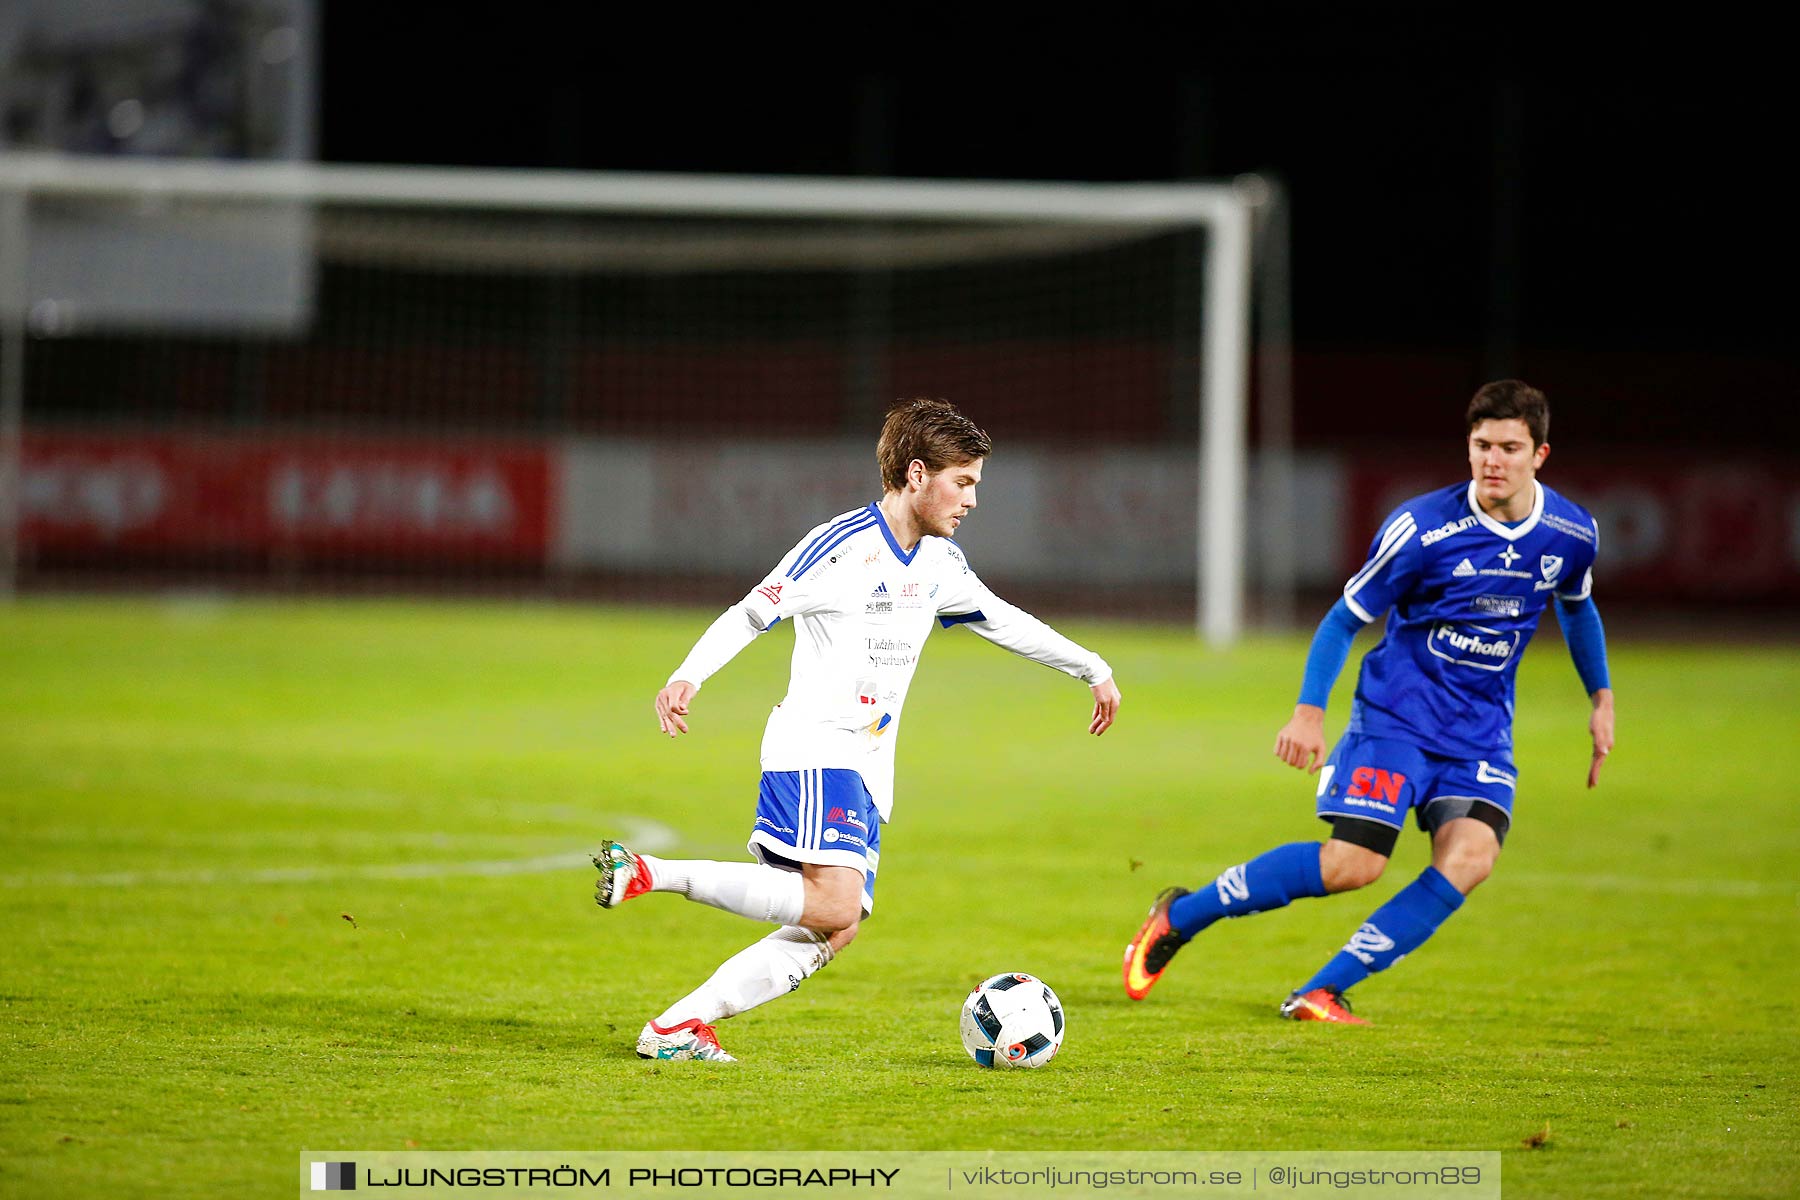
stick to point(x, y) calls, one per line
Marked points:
point(244, 911)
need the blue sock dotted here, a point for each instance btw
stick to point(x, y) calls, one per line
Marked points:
point(1270, 880)
point(1392, 932)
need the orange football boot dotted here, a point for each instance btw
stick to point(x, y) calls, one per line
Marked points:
point(1155, 944)
point(1320, 1004)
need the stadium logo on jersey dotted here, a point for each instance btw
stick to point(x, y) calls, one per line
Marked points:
point(1367, 942)
point(1501, 606)
point(1509, 556)
point(1464, 569)
point(1233, 886)
point(1433, 536)
point(1470, 648)
point(770, 592)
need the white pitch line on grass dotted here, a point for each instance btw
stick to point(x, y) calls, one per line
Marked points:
point(639, 832)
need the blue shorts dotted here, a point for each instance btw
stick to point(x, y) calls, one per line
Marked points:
point(1378, 779)
point(823, 816)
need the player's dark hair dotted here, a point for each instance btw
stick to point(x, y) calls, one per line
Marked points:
point(1509, 400)
point(931, 431)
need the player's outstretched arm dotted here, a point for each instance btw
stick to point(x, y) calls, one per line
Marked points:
point(672, 706)
point(1586, 637)
point(1106, 706)
point(735, 628)
point(1600, 728)
point(1301, 742)
point(1009, 626)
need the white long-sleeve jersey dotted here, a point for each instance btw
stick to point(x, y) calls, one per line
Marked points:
point(861, 609)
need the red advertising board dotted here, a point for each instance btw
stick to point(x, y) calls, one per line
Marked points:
point(1669, 531)
point(316, 497)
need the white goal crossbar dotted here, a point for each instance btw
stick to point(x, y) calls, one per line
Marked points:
point(1225, 212)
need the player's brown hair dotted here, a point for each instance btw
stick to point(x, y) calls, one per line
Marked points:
point(1508, 400)
point(931, 431)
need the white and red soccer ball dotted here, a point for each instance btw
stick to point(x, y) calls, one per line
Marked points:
point(1012, 1020)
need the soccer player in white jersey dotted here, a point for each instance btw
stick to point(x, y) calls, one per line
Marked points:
point(1466, 571)
point(861, 592)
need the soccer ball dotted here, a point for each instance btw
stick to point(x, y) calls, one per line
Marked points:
point(1012, 1020)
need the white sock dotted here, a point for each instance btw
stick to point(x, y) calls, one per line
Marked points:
point(754, 975)
point(747, 889)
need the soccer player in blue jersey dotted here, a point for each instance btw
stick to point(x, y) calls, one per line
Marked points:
point(1464, 574)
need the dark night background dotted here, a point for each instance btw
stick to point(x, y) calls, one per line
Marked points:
point(1598, 214)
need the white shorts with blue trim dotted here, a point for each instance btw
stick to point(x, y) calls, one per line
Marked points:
point(824, 816)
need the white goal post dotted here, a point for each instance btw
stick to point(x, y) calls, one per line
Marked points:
point(1226, 213)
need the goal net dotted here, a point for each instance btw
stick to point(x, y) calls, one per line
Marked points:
point(348, 378)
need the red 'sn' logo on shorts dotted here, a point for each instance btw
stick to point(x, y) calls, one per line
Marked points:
point(1376, 784)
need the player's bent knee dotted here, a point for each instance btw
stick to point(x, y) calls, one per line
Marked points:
point(831, 913)
point(1465, 852)
point(834, 898)
point(1467, 867)
point(1345, 866)
point(831, 916)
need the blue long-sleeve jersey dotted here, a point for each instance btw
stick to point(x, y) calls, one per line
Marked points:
point(1464, 593)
